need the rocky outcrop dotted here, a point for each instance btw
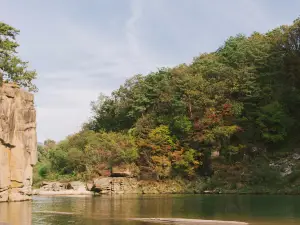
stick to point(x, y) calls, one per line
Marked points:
point(18, 148)
point(124, 185)
point(113, 185)
point(286, 165)
point(57, 188)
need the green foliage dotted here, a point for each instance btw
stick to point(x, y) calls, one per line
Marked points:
point(87, 153)
point(185, 162)
point(263, 174)
point(12, 68)
point(161, 136)
point(58, 159)
point(237, 102)
point(182, 125)
point(273, 122)
point(117, 148)
point(43, 170)
point(155, 150)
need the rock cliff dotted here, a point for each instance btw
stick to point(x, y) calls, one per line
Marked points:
point(18, 144)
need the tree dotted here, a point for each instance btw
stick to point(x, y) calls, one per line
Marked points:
point(12, 68)
point(243, 97)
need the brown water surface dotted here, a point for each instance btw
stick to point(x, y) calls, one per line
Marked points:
point(115, 210)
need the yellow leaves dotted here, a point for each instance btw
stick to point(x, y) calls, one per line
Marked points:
point(234, 149)
point(162, 166)
point(186, 161)
point(161, 160)
point(161, 138)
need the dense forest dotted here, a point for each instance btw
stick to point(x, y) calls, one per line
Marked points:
point(223, 118)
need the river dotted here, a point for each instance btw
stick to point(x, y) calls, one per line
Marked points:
point(115, 210)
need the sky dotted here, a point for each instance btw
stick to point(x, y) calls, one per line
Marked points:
point(83, 48)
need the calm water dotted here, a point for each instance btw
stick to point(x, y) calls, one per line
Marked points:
point(106, 210)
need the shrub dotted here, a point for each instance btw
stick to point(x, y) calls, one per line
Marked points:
point(44, 170)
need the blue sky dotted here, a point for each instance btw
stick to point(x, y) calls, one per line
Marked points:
point(81, 48)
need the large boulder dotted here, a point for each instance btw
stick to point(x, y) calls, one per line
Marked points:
point(102, 185)
point(77, 186)
point(53, 186)
point(89, 185)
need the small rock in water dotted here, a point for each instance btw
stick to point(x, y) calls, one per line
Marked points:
point(296, 156)
point(286, 171)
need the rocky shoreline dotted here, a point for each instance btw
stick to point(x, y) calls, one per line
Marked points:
point(110, 185)
point(127, 185)
point(58, 188)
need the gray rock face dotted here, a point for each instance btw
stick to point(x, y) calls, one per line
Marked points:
point(77, 186)
point(53, 186)
point(110, 185)
point(57, 188)
point(18, 143)
point(125, 185)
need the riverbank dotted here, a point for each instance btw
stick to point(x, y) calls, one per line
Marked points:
point(115, 185)
point(272, 174)
point(112, 185)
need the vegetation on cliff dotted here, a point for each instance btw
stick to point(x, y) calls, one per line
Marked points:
point(239, 103)
point(12, 68)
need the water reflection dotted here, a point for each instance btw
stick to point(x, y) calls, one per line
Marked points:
point(254, 209)
point(113, 210)
point(16, 213)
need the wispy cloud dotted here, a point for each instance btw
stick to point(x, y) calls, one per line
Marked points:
point(130, 27)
